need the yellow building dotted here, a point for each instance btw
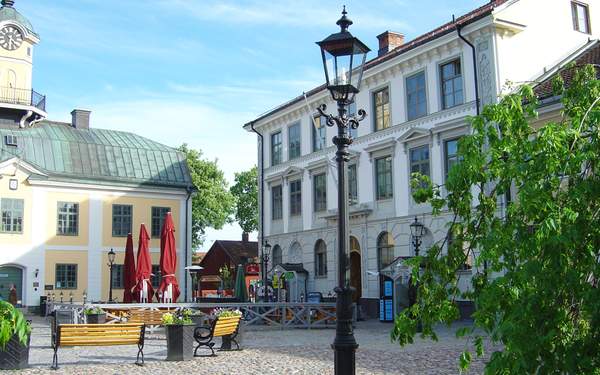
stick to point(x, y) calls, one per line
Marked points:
point(70, 193)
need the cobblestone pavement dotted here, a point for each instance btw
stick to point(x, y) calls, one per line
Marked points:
point(266, 351)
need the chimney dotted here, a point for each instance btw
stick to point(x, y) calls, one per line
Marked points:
point(245, 237)
point(388, 41)
point(80, 119)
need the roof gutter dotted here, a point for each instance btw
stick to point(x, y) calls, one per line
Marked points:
point(474, 56)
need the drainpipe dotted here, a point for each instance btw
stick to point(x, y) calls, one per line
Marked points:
point(189, 191)
point(261, 187)
point(458, 29)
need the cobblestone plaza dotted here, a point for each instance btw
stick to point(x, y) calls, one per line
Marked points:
point(265, 351)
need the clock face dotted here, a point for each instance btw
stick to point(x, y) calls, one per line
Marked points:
point(10, 38)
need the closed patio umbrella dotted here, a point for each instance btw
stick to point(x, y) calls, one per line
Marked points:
point(143, 289)
point(240, 285)
point(169, 288)
point(128, 271)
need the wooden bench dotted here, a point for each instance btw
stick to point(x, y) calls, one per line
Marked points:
point(99, 335)
point(227, 328)
point(148, 317)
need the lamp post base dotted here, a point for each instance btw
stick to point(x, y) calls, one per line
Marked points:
point(344, 344)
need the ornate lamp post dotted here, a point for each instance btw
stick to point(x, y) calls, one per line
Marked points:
point(343, 61)
point(416, 231)
point(264, 264)
point(111, 262)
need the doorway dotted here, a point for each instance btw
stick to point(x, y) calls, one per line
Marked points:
point(11, 275)
point(355, 269)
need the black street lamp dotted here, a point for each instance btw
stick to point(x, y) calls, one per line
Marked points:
point(343, 61)
point(416, 231)
point(111, 262)
point(265, 263)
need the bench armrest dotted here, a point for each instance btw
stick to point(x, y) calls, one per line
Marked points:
point(202, 332)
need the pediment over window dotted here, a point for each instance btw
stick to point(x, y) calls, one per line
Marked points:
point(285, 174)
point(412, 134)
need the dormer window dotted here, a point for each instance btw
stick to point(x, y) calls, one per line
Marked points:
point(581, 17)
point(10, 140)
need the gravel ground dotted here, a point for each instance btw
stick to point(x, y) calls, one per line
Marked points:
point(265, 351)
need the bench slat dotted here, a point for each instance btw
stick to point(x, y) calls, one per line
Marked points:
point(99, 339)
point(224, 326)
point(96, 343)
point(124, 325)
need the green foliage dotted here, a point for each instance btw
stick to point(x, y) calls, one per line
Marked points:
point(226, 276)
point(245, 191)
point(213, 204)
point(93, 310)
point(537, 259)
point(178, 318)
point(226, 313)
point(12, 322)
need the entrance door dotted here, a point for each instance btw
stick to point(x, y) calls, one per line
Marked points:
point(355, 279)
point(11, 275)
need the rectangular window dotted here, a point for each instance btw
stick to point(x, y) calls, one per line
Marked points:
point(450, 154)
point(155, 278)
point(352, 185)
point(66, 276)
point(581, 17)
point(319, 131)
point(294, 141)
point(295, 197)
point(158, 219)
point(419, 160)
point(121, 219)
point(276, 148)
point(416, 96)
point(117, 276)
point(276, 203)
point(352, 112)
point(11, 140)
point(381, 103)
point(12, 215)
point(68, 219)
point(452, 87)
point(383, 176)
point(320, 192)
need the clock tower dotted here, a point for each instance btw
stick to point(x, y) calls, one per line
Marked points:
point(19, 103)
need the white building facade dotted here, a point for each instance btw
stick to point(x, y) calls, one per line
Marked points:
point(418, 96)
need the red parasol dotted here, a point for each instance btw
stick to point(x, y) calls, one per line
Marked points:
point(169, 288)
point(143, 291)
point(129, 271)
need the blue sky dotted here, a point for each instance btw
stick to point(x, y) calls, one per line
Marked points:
point(196, 70)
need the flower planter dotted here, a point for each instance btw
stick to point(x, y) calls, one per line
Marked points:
point(15, 355)
point(180, 341)
point(95, 318)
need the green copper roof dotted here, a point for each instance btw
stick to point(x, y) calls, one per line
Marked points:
point(8, 13)
point(96, 156)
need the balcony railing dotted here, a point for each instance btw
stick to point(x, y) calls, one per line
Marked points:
point(12, 95)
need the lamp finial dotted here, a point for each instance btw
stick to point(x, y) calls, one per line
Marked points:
point(8, 3)
point(344, 22)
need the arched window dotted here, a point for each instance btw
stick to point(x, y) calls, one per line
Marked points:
point(295, 255)
point(385, 250)
point(277, 255)
point(320, 258)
